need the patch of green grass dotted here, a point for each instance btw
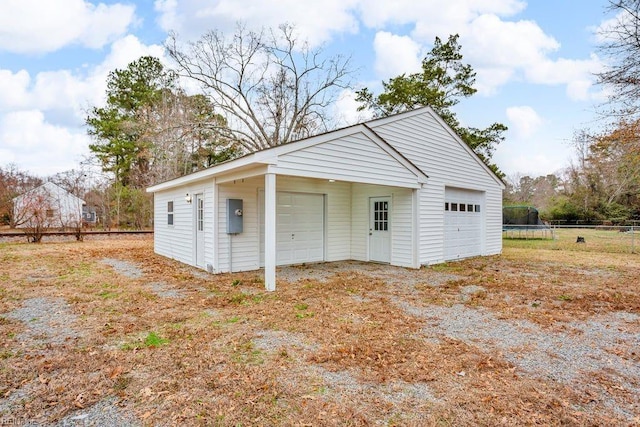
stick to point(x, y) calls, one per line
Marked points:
point(154, 340)
point(229, 321)
point(446, 267)
point(236, 282)
point(234, 319)
point(239, 298)
point(565, 298)
point(602, 239)
point(245, 299)
point(107, 294)
point(84, 269)
point(302, 311)
point(6, 354)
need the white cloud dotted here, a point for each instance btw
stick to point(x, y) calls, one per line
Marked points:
point(35, 26)
point(346, 109)
point(125, 50)
point(577, 74)
point(499, 47)
point(489, 40)
point(13, 87)
point(396, 55)
point(316, 22)
point(434, 17)
point(70, 92)
point(28, 140)
point(524, 121)
point(43, 128)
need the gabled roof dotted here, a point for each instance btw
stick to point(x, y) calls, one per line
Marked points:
point(270, 156)
point(52, 189)
point(384, 120)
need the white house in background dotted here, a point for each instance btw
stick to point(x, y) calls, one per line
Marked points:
point(47, 206)
point(403, 190)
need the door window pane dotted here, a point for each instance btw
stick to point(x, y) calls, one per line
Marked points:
point(380, 216)
point(200, 214)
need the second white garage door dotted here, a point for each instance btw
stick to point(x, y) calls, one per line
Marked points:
point(299, 228)
point(463, 213)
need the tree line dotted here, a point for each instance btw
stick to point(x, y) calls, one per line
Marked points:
point(255, 90)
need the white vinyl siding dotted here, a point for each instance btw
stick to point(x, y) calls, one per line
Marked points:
point(425, 142)
point(177, 241)
point(353, 158)
point(239, 252)
point(401, 222)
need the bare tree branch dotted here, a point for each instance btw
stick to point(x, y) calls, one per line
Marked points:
point(270, 87)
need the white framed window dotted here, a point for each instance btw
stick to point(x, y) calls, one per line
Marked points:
point(170, 213)
point(381, 216)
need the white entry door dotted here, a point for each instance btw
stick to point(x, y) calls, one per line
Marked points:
point(199, 200)
point(380, 229)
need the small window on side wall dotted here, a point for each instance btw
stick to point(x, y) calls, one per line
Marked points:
point(454, 207)
point(170, 213)
point(446, 206)
point(469, 208)
point(477, 208)
point(463, 207)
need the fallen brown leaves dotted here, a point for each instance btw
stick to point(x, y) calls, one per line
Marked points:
point(347, 355)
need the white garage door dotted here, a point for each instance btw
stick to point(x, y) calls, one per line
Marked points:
point(463, 212)
point(299, 228)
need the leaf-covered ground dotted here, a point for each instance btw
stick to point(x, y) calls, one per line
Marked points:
point(107, 332)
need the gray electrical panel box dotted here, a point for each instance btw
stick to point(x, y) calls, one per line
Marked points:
point(234, 216)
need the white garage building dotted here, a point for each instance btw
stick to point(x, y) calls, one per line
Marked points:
point(403, 190)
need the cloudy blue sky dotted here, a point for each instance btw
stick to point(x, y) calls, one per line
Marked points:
point(535, 62)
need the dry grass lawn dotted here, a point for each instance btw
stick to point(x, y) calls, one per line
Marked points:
point(106, 331)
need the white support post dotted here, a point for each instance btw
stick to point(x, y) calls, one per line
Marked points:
point(215, 224)
point(270, 231)
point(415, 240)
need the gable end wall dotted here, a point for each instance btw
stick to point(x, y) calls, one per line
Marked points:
point(426, 143)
